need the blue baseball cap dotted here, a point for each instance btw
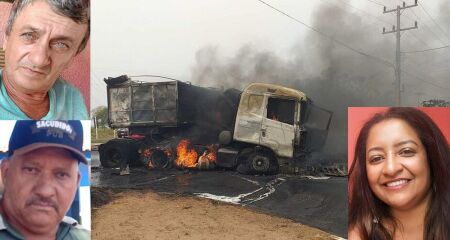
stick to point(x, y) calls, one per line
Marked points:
point(29, 135)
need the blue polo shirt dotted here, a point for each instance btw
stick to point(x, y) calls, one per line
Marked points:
point(66, 103)
point(68, 229)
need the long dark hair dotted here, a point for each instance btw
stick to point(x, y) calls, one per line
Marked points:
point(366, 211)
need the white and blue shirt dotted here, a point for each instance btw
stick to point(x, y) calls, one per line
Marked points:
point(66, 103)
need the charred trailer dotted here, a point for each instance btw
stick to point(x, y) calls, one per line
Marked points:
point(158, 115)
point(264, 129)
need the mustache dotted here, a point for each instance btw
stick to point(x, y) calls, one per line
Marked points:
point(39, 200)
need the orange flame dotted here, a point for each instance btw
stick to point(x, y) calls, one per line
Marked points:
point(186, 157)
point(211, 153)
point(168, 152)
point(189, 158)
point(147, 153)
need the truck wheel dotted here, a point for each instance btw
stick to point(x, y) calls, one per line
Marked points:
point(113, 153)
point(159, 159)
point(262, 163)
point(243, 168)
point(243, 165)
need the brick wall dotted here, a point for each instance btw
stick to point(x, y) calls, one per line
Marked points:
point(2, 58)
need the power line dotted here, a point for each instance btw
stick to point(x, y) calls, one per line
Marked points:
point(376, 3)
point(445, 33)
point(397, 30)
point(424, 23)
point(436, 64)
point(426, 63)
point(427, 50)
point(365, 12)
point(382, 21)
point(424, 80)
point(380, 60)
point(384, 62)
point(429, 28)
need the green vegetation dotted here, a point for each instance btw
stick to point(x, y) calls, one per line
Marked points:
point(100, 115)
point(436, 103)
point(104, 134)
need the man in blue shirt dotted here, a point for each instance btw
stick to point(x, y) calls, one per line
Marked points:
point(42, 37)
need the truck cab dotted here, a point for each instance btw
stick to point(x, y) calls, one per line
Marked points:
point(269, 116)
point(274, 124)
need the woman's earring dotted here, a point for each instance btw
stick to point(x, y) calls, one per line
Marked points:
point(375, 220)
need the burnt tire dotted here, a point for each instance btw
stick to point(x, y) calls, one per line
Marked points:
point(243, 166)
point(157, 160)
point(261, 162)
point(115, 152)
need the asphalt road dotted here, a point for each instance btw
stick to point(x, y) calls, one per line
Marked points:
point(316, 202)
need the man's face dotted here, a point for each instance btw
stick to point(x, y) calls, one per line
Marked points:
point(39, 47)
point(39, 188)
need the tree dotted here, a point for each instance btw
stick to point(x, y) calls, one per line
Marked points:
point(436, 103)
point(101, 115)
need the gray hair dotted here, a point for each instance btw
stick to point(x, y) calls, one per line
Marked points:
point(77, 10)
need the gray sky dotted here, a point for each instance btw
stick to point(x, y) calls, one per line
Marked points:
point(180, 39)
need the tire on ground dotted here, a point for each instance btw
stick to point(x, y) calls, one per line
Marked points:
point(157, 160)
point(117, 151)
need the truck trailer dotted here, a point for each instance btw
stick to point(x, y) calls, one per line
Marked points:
point(263, 129)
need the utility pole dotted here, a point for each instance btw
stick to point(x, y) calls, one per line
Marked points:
point(397, 30)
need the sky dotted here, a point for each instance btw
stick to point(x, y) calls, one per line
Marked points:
point(162, 37)
point(165, 37)
point(332, 50)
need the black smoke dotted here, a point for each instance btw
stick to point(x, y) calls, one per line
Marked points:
point(333, 76)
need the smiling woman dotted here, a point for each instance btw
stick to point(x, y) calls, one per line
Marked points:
point(399, 185)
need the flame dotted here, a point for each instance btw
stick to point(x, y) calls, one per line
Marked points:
point(150, 165)
point(211, 153)
point(168, 152)
point(186, 157)
point(189, 158)
point(148, 152)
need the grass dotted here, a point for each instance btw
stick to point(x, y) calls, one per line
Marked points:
point(104, 135)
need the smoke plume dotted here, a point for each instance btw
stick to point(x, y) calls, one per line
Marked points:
point(333, 76)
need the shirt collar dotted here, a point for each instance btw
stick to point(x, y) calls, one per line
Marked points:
point(2, 223)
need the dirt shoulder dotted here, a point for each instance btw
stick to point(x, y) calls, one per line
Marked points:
point(146, 215)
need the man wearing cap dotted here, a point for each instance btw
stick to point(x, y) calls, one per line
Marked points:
point(40, 178)
point(41, 39)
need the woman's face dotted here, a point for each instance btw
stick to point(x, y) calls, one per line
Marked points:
point(396, 165)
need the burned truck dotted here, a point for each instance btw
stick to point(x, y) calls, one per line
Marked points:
point(263, 129)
